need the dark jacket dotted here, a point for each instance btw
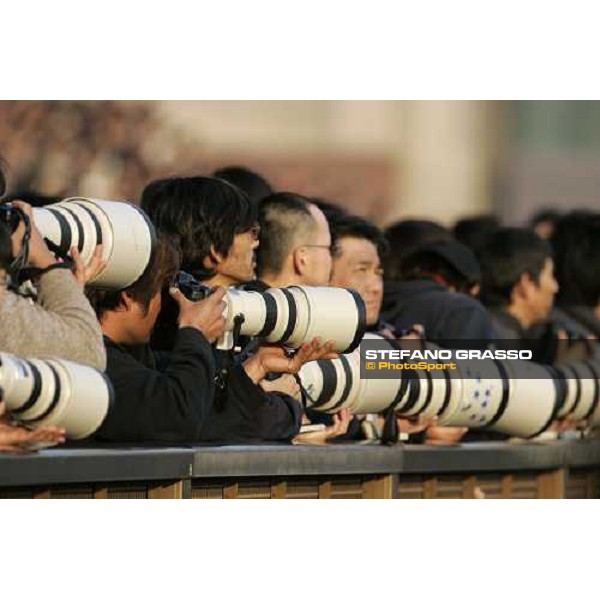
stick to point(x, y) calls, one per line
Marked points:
point(445, 315)
point(540, 338)
point(242, 412)
point(160, 397)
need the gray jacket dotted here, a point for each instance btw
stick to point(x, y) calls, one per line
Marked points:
point(61, 324)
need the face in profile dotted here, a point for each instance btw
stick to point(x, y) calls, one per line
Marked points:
point(239, 266)
point(357, 266)
point(318, 271)
point(541, 298)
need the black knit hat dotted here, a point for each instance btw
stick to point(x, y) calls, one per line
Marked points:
point(457, 255)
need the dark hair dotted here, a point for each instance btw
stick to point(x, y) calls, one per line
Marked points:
point(343, 225)
point(405, 237)
point(331, 211)
point(545, 215)
point(5, 247)
point(199, 212)
point(508, 254)
point(474, 231)
point(576, 247)
point(281, 216)
point(255, 185)
point(163, 266)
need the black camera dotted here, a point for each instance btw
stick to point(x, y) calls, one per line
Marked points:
point(190, 287)
point(10, 216)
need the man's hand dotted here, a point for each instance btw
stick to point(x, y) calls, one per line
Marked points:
point(440, 436)
point(205, 315)
point(19, 439)
point(273, 359)
point(286, 384)
point(39, 254)
point(84, 274)
point(341, 421)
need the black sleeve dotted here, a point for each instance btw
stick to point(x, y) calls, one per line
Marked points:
point(161, 406)
point(249, 414)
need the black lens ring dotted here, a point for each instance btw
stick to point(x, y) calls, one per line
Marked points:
point(329, 383)
point(270, 317)
point(79, 226)
point(448, 392)
point(55, 398)
point(590, 366)
point(361, 326)
point(35, 392)
point(65, 231)
point(347, 384)
point(95, 221)
point(414, 383)
point(292, 312)
point(429, 391)
point(560, 389)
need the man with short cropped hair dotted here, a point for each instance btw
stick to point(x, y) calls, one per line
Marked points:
point(359, 247)
point(295, 242)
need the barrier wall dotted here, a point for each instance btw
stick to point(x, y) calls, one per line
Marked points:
point(553, 470)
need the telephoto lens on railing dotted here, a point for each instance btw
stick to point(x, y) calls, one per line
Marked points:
point(515, 397)
point(127, 236)
point(55, 392)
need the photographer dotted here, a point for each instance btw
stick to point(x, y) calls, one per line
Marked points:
point(296, 248)
point(215, 226)
point(159, 396)
point(13, 438)
point(61, 323)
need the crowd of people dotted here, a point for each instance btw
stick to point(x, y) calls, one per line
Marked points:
point(536, 286)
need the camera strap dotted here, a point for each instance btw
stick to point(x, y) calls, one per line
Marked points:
point(30, 273)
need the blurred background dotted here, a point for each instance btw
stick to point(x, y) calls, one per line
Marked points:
point(440, 160)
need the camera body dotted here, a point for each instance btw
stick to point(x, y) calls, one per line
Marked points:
point(287, 316)
point(10, 216)
point(190, 287)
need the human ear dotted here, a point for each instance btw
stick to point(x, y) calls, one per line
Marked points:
point(300, 260)
point(214, 259)
point(126, 302)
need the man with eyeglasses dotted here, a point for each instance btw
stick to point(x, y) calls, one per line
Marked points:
point(296, 249)
point(295, 242)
